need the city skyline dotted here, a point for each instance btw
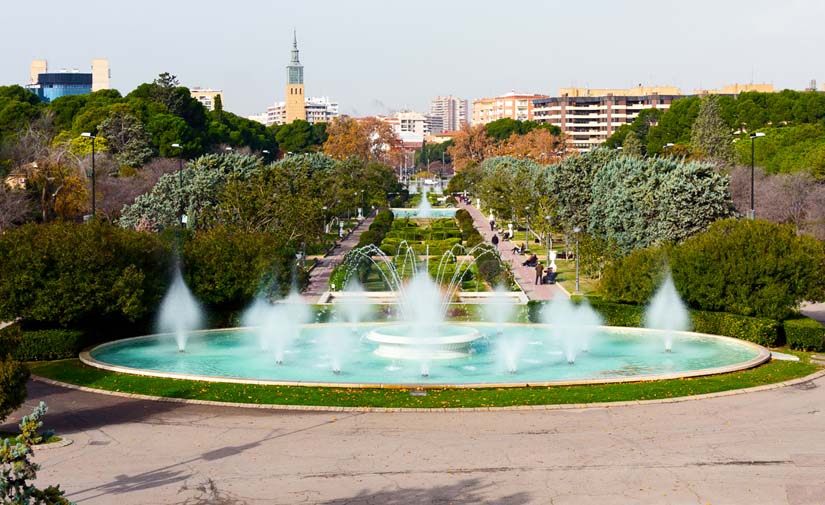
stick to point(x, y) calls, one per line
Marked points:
point(360, 55)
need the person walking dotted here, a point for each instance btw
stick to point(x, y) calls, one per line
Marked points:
point(494, 240)
point(539, 271)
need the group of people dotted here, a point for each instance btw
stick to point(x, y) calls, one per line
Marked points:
point(532, 261)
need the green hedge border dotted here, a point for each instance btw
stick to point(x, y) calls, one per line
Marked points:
point(804, 334)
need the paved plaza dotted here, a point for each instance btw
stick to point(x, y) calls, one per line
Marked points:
point(756, 448)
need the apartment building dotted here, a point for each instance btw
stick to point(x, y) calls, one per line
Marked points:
point(50, 85)
point(447, 113)
point(589, 116)
point(206, 96)
point(512, 105)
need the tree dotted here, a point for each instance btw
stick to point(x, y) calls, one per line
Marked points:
point(295, 137)
point(710, 135)
point(470, 146)
point(632, 146)
point(14, 207)
point(539, 144)
point(571, 185)
point(126, 138)
point(369, 139)
point(752, 268)
point(640, 202)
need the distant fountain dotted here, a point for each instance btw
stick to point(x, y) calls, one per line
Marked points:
point(424, 208)
point(277, 325)
point(666, 311)
point(180, 313)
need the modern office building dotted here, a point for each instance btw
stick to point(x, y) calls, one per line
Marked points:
point(207, 96)
point(295, 103)
point(50, 85)
point(447, 113)
point(512, 105)
point(589, 116)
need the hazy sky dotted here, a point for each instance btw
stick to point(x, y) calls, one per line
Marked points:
point(374, 56)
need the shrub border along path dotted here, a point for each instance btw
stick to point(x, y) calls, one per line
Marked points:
point(73, 374)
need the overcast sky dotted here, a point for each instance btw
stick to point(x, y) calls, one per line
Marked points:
point(373, 56)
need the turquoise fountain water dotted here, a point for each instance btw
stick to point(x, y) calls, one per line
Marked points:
point(420, 348)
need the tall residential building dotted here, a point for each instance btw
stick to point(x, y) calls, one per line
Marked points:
point(295, 104)
point(512, 105)
point(318, 110)
point(447, 113)
point(206, 96)
point(50, 85)
point(588, 116)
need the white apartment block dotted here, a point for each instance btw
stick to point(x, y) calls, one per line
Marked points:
point(318, 110)
point(589, 116)
point(447, 113)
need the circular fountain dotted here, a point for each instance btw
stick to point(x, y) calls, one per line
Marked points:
point(279, 345)
point(445, 342)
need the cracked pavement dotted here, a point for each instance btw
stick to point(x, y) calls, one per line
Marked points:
point(764, 447)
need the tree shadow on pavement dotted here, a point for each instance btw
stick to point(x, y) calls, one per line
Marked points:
point(467, 491)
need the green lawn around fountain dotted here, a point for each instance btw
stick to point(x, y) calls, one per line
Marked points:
point(72, 371)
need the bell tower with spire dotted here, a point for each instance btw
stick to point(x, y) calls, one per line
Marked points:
point(295, 103)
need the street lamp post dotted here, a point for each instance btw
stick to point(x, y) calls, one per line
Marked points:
point(576, 230)
point(549, 238)
point(527, 226)
point(94, 203)
point(180, 181)
point(753, 136)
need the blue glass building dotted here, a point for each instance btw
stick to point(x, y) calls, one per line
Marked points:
point(56, 84)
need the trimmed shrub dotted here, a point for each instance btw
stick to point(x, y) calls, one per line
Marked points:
point(13, 378)
point(752, 268)
point(43, 345)
point(619, 314)
point(634, 278)
point(758, 330)
point(10, 338)
point(225, 268)
point(73, 275)
point(804, 334)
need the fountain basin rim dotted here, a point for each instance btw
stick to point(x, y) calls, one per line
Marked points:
point(762, 357)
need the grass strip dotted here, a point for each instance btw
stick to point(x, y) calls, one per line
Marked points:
point(74, 372)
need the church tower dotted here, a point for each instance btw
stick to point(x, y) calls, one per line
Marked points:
point(295, 104)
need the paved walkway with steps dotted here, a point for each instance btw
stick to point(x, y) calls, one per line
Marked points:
point(525, 276)
point(319, 276)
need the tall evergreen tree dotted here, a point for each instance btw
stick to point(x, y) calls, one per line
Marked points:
point(632, 146)
point(710, 136)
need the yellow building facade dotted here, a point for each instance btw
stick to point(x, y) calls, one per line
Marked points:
point(295, 102)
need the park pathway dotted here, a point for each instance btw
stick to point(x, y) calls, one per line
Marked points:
point(319, 276)
point(525, 276)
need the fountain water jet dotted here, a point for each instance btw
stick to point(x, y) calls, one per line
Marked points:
point(180, 313)
point(667, 312)
point(277, 325)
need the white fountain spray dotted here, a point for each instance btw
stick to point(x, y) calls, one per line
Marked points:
point(499, 310)
point(180, 313)
point(277, 325)
point(354, 304)
point(667, 312)
point(425, 315)
point(424, 207)
point(587, 322)
point(559, 313)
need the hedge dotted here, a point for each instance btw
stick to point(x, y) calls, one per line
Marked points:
point(758, 330)
point(804, 334)
point(761, 331)
point(41, 345)
point(9, 338)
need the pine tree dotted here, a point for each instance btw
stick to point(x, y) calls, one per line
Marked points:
point(710, 136)
point(632, 146)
